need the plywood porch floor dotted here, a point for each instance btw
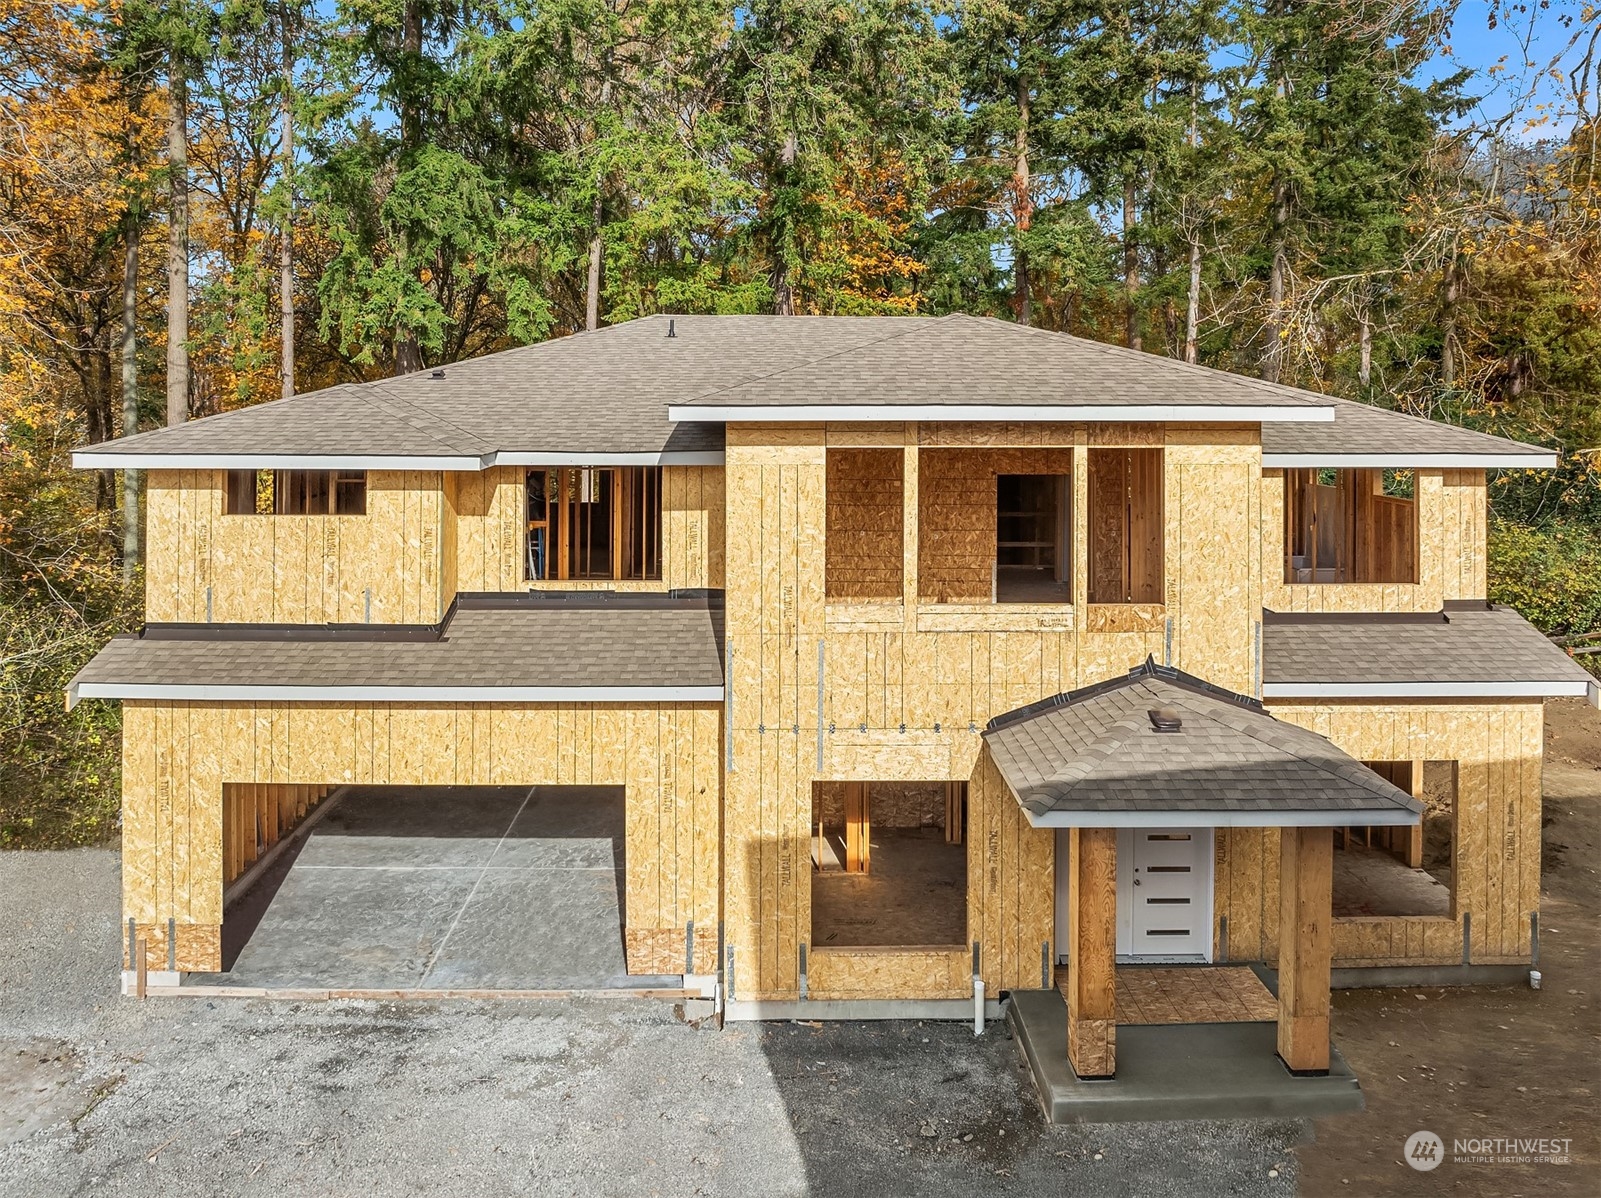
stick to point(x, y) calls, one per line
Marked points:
point(1152, 994)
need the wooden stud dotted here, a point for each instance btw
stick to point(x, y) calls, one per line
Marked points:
point(1092, 957)
point(1306, 887)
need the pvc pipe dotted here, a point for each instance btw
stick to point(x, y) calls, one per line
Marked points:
point(978, 1005)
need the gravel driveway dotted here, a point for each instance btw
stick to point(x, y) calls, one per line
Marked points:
point(179, 1096)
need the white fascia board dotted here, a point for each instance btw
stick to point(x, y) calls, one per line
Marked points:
point(1423, 690)
point(1449, 461)
point(522, 457)
point(1388, 817)
point(399, 694)
point(1115, 413)
point(84, 460)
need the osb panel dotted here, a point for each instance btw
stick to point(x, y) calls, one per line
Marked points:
point(295, 569)
point(180, 758)
point(1464, 520)
point(1212, 556)
point(900, 973)
point(1011, 870)
point(863, 538)
point(1497, 749)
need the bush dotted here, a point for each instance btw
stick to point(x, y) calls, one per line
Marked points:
point(1552, 575)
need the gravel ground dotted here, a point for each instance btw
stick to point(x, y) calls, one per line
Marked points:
point(100, 1094)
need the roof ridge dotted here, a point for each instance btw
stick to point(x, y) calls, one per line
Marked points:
point(394, 405)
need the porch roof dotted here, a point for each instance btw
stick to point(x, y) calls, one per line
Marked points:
point(1095, 758)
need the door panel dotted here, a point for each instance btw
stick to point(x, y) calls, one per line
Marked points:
point(1164, 899)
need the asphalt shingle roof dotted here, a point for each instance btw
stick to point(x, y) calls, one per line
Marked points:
point(1461, 645)
point(1097, 751)
point(674, 644)
point(1362, 428)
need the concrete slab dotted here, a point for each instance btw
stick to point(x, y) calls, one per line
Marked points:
point(1174, 1071)
point(458, 888)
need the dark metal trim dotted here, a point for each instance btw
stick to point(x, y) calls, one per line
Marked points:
point(1169, 674)
point(1270, 618)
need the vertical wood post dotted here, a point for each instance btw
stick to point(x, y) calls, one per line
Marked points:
point(1306, 941)
point(1092, 956)
point(911, 509)
point(1414, 834)
point(858, 829)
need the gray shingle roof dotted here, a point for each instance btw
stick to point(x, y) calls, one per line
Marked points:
point(962, 359)
point(1362, 428)
point(1096, 753)
point(1463, 646)
point(608, 392)
point(673, 644)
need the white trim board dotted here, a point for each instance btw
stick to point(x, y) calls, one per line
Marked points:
point(395, 694)
point(1468, 461)
point(111, 460)
point(1395, 817)
point(1092, 413)
point(1423, 690)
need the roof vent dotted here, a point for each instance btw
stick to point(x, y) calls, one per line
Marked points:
point(671, 332)
point(1165, 719)
point(437, 374)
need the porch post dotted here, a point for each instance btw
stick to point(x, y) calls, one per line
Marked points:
point(1092, 956)
point(1306, 942)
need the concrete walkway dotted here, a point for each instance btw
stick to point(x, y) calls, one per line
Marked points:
point(440, 887)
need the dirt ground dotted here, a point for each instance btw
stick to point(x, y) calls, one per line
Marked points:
point(1490, 1061)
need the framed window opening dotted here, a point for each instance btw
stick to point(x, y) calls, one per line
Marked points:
point(1350, 525)
point(593, 522)
point(1033, 538)
point(1126, 526)
point(295, 493)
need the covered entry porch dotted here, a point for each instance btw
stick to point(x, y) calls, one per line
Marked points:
point(1160, 749)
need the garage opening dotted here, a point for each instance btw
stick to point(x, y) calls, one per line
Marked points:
point(1401, 870)
point(503, 888)
point(889, 864)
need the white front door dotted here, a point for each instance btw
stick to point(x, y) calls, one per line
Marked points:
point(1164, 894)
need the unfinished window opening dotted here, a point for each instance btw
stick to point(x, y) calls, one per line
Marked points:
point(1125, 526)
point(1350, 526)
point(864, 543)
point(594, 523)
point(1032, 550)
point(889, 866)
point(296, 493)
point(1407, 870)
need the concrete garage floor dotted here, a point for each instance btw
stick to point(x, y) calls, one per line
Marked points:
point(1373, 882)
point(444, 888)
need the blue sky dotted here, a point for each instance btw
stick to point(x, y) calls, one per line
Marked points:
point(1511, 61)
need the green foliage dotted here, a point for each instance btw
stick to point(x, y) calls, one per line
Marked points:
point(1551, 575)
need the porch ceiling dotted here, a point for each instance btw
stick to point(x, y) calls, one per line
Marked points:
point(1094, 758)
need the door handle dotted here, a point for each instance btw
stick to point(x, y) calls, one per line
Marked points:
point(1136, 881)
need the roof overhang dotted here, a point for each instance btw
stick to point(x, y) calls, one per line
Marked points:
point(1428, 690)
point(1077, 413)
point(1449, 461)
point(112, 460)
point(247, 692)
point(526, 457)
point(1233, 818)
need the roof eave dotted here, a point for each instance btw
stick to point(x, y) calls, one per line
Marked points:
point(1550, 689)
point(1387, 816)
point(981, 413)
point(1449, 461)
point(250, 692)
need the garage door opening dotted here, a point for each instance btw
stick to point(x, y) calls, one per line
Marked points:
point(504, 888)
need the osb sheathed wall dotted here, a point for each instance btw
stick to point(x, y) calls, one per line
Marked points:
point(489, 510)
point(863, 525)
point(1496, 845)
point(295, 569)
point(426, 536)
point(177, 757)
point(905, 689)
point(1451, 510)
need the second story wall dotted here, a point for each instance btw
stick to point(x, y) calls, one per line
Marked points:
point(384, 566)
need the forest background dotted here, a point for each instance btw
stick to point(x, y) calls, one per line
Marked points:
point(205, 205)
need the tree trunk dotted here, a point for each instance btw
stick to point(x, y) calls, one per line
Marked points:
point(1273, 351)
point(178, 244)
point(1364, 370)
point(1022, 208)
point(1192, 313)
point(1452, 293)
point(783, 286)
point(286, 249)
point(597, 215)
point(128, 352)
point(1131, 264)
point(408, 354)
